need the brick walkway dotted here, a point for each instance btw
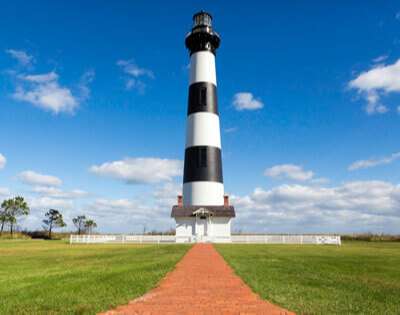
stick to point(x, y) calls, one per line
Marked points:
point(202, 283)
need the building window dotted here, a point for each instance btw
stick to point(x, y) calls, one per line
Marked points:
point(203, 96)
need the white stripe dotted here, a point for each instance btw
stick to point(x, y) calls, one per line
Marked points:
point(203, 129)
point(203, 194)
point(202, 67)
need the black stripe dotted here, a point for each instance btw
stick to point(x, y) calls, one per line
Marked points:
point(202, 98)
point(202, 163)
point(202, 39)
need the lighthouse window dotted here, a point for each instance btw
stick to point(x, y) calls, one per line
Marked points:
point(201, 158)
point(203, 96)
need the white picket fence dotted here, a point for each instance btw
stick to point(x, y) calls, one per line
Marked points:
point(121, 239)
point(287, 239)
point(237, 239)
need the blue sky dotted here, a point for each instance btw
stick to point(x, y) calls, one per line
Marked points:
point(94, 95)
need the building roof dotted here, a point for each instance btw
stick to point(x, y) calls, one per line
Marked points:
point(215, 211)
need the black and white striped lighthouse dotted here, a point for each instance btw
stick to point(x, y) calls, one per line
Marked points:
point(203, 188)
point(202, 179)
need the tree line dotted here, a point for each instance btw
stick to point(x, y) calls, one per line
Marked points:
point(14, 208)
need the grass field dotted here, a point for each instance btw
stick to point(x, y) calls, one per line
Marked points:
point(53, 277)
point(356, 278)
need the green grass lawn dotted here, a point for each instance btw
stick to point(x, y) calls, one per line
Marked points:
point(53, 277)
point(356, 278)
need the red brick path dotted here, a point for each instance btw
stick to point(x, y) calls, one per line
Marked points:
point(202, 283)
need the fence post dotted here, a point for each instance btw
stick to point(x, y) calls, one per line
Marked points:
point(301, 239)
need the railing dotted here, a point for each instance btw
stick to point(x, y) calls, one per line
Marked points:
point(121, 239)
point(237, 239)
point(287, 239)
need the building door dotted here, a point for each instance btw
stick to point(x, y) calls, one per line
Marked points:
point(201, 228)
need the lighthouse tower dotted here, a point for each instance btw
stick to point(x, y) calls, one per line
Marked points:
point(203, 213)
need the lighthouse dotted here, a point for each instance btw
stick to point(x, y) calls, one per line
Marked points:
point(203, 213)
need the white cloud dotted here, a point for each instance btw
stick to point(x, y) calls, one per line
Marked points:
point(230, 130)
point(380, 58)
point(45, 203)
point(84, 82)
point(140, 170)
point(376, 81)
point(289, 171)
point(374, 162)
point(44, 91)
point(21, 56)
point(39, 205)
point(373, 104)
point(51, 191)
point(33, 178)
point(114, 204)
point(354, 206)
point(4, 191)
point(131, 84)
point(39, 78)
point(131, 68)
point(3, 161)
point(246, 101)
point(152, 210)
point(134, 73)
point(320, 181)
point(166, 195)
point(358, 206)
point(120, 211)
point(117, 214)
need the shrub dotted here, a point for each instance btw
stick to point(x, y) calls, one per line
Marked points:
point(370, 237)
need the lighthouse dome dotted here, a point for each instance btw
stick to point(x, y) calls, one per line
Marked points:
point(202, 36)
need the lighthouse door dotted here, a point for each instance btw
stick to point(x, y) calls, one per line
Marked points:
point(201, 229)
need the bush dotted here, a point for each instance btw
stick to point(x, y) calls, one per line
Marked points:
point(37, 234)
point(17, 235)
point(370, 237)
point(45, 235)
